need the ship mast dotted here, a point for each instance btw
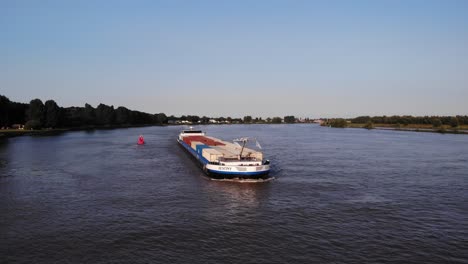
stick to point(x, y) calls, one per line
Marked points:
point(242, 149)
point(244, 141)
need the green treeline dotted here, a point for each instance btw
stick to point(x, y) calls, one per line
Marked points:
point(289, 119)
point(338, 122)
point(194, 119)
point(37, 115)
point(398, 121)
point(436, 121)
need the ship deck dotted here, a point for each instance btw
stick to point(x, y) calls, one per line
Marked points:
point(228, 150)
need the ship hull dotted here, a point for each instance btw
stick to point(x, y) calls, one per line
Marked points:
point(226, 172)
point(241, 176)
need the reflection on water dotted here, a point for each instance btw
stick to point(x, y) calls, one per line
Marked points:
point(3, 156)
point(240, 202)
point(241, 194)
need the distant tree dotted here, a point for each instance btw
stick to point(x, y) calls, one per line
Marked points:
point(72, 116)
point(161, 118)
point(36, 112)
point(369, 125)
point(361, 120)
point(338, 122)
point(88, 115)
point(289, 119)
point(268, 120)
point(276, 120)
point(171, 118)
point(193, 118)
point(17, 113)
point(52, 114)
point(463, 120)
point(140, 118)
point(237, 120)
point(122, 116)
point(205, 120)
point(247, 119)
point(445, 120)
point(105, 115)
point(436, 122)
point(405, 121)
point(229, 119)
point(454, 122)
point(136, 118)
point(32, 124)
point(4, 111)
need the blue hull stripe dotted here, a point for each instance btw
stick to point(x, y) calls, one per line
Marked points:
point(239, 172)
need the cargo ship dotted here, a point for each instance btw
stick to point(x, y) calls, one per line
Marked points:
point(224, 160)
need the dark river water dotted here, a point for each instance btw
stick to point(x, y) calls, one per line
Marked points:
point(339, 196)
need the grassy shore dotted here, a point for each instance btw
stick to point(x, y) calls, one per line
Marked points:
point(416, 128)
point(6, 133)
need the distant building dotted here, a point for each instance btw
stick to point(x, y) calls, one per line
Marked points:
point(302, 120)
point(319, 121)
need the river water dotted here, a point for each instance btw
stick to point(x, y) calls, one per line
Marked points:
point(339, 195)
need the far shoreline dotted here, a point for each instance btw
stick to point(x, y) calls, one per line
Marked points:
point(10, 133)
point(412, 128)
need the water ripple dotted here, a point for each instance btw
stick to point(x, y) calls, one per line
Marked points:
point(339, 196)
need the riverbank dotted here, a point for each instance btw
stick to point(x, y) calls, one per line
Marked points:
point(414, 128)
point(8, 133)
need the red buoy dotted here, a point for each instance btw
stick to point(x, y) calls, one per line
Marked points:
point(141, 140)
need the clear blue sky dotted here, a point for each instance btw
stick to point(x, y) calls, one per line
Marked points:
point(233, 58)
